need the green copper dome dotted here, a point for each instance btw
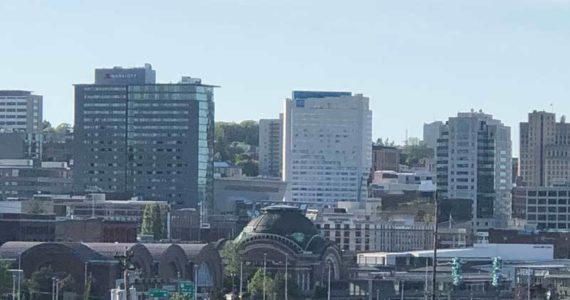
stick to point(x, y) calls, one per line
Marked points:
point(282, 220)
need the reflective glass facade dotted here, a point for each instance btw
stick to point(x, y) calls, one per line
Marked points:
point(154, 141)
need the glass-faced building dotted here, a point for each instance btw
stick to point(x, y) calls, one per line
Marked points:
point(144, 139)
point(474, 162)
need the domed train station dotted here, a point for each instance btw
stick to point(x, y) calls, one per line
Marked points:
point(283, 235)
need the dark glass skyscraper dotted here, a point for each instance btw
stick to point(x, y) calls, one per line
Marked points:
point(141, 138)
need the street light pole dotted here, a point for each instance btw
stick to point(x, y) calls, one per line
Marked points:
point(286, 262)
point(53, 288)
point(13, 286)
point(85, 275)
point(196, 281)
point(329, 283)
point(19, 274)
point(56, 288)
point(240, 279)
point(264, 272)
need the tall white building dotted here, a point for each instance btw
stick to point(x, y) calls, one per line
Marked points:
point(270, 146)
point(20, 111)
point(474, 162)
point(327, 146)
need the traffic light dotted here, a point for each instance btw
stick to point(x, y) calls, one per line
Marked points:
point(456, 275)
point(496, 271)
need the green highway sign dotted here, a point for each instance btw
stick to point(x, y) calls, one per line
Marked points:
point(186, 287)
point(157, 293)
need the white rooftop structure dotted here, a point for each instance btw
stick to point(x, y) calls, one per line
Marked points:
point(486, 252)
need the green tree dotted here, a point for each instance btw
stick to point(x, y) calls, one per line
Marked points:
point(40, 283)
point(414, 154)
point(249, 166)
point(46, 126)
point(279, 286)
point(231, 260)
point(179, 296)
point(63, 128)
point(158, 223)
point(153, 221)
point(234, 139)
point(5, 278)
point(255, 285)
point(147, 220)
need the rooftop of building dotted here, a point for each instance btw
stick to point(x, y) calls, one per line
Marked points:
point(383, 147)
point(512, 252)
point(318, 94)
point(15, 93)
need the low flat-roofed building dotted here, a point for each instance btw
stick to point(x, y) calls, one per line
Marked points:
point(357, 230)
point(22, 178)
point(95, 206)
point(545, 207)
point(228, 191)
point(26, 227)
point(479, 252)
point(391, 182)
point(96, 230)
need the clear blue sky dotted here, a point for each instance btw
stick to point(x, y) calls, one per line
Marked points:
point(417, 60)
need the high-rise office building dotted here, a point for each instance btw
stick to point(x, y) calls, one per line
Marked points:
point(327, 146)
point(270, 147)
point(474, 162)
point(431, 133)
point(20, 111)
point(544, 150)
point(145, 139)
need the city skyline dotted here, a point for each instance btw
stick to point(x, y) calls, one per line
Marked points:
point(401, 55)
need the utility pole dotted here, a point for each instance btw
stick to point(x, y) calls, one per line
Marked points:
point(435, 244)
point(126, 265)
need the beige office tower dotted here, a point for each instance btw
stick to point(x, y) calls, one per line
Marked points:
point(544, 150)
